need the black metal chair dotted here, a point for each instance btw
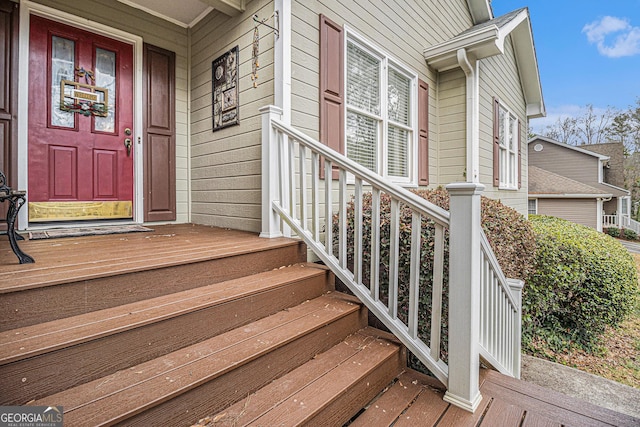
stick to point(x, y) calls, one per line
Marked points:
point(16, 199)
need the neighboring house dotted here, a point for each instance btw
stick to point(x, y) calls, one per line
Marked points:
point(147, 112)
point(569, 182)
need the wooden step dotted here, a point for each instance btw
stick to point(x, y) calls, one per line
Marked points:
point(326, 391)
point(412, 400)
point(203, 378)
point(43, 359)
point(80, 278)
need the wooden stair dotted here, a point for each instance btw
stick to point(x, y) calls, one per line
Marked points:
point(177, 339)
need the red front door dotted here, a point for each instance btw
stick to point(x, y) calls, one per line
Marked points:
point(80, 124)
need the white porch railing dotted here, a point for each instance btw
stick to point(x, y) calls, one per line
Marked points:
point(500, 316)
point(621, 221)
point(292, 204)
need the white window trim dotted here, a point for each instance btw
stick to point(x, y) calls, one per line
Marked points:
point(387, 60)
point(512, 175)
point(535, 202)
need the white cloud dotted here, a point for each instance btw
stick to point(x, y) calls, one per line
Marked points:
point(614, 37)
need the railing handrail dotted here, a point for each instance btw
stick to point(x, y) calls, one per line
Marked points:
point(414, 201)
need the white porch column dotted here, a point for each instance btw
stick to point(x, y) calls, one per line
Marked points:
point(282, 60)
point(464, 295)
point(270, 220)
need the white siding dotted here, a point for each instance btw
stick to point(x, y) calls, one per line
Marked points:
point(226, 164)
point(499, 77)
point(451, 149)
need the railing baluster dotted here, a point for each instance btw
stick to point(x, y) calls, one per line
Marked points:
point(414, 274)
point(315, 198)
point(342, 209)
point(393, 258)
point(328, 208)
point(436, 292)
point(285, 177)
point(302, 150)
point(357, 232)
point(374, 285)
point(292, 185)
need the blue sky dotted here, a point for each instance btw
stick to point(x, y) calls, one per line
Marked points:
point(588, 53)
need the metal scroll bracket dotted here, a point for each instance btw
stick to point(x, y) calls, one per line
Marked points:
point(276, 23)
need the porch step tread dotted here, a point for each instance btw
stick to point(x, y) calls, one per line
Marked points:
point(387, 408)
point(34, 340)
point(116, 261)
point(132, 391)
point(414, 399)
point(364, 361)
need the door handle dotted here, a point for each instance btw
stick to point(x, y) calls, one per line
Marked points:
point(127, 143)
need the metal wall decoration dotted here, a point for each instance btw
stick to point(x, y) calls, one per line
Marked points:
point(255, 64)
point(225, 90)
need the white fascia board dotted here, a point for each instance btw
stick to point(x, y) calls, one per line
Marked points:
point(627, 192)
point(570, 196)
point(480, 10)
point(479, 44)
point(228, 7)
point(526, 58)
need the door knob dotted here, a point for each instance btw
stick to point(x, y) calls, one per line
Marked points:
point(127, 143)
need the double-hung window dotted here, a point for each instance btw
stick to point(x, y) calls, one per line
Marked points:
point(507, 149)
point(381, 112)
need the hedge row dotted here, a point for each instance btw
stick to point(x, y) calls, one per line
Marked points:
point(583, 281)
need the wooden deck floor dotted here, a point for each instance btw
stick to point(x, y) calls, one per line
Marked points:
point(61, 259)
point(506, 402)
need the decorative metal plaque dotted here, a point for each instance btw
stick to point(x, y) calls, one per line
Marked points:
point(225, 90)
point(83, 98)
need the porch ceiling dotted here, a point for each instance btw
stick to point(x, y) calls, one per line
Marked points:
point(186, 13)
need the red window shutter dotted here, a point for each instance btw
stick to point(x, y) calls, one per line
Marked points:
point(423, 133)
point(496, 142)
point(519, 154)
point(331, 86)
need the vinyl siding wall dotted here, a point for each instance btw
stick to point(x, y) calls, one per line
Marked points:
point(160, 33)
point(452, 111)
point(402, 29)
point(499, 77)
point(226, 164)
point(578, 166)
point(581, 211)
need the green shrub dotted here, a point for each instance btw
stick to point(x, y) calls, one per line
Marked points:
point(508, 232)
point(583, 281)
point(613, 231)
point(629, 234)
